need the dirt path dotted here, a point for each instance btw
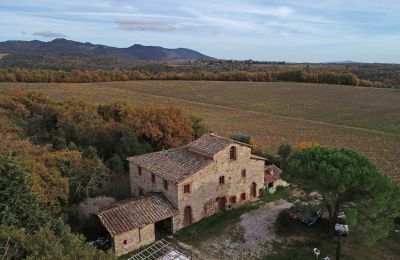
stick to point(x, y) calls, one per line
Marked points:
point(252, 237)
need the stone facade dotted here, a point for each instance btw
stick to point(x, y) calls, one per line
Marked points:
point(133, 239)
point(145, 183)
point(207, 195)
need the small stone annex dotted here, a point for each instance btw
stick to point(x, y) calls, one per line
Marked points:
point(177, 187)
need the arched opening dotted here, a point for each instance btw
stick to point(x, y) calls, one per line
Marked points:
point(232, 153)
point(253, 191)
point(187, 218)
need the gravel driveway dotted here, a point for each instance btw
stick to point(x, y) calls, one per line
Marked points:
point(252, 237)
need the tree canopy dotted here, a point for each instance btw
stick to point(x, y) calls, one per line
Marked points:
point(19, 205)
point(54, 155)
point(347, 181)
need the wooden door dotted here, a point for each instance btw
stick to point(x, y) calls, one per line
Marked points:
point(222, 204)
point(253, 191)
point(187, 218)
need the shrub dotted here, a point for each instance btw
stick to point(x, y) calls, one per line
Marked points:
point(284, 151)
point(240, 138)
point(91, 206)
point(284, 225)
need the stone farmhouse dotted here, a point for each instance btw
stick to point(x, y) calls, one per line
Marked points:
point(177, 187)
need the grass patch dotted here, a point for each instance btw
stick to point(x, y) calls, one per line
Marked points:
point(280, 193)
point(299, 250)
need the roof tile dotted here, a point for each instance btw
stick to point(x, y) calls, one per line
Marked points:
point(135, 213)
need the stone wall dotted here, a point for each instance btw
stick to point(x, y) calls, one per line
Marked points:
point(144, 182)
point(133, 239)
point(205, 187)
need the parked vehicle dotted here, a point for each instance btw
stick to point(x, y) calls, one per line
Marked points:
point(341, 230)
point(293, 213)
point(311, 219)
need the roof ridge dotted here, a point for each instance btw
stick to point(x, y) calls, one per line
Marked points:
point(229, 139)
point(124, 201)
point(158, 152)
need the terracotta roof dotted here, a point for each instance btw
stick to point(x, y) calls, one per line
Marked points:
point(209, 144)
point(173, 164)
point(256, 157)
point(135, 213)
point(273, 170)
point(177, 164)
point(271, 174)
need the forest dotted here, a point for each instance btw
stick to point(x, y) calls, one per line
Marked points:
point(60, 161)
point(99, 75)
point(86, 68)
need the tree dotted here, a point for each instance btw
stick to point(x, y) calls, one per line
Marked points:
point(305, 144)
point(130, 144)
point(46, 243)
point(284, 151)
point(50, 187)
point(116, 111)
point(163, 127)
point(240, 138)
point(115, 164)
point(347, 181)
point(19, 205)
point(88, 177)
point(199, 128)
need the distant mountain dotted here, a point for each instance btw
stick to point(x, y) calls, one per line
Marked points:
point(66, 47)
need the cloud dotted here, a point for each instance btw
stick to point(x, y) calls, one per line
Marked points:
point(50, 34)
point(146, 25)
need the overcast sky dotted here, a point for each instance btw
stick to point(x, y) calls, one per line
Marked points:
point(284, 30)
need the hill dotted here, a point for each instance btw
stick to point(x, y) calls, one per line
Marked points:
point(67, 47)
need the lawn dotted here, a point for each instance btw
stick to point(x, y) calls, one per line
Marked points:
point(365, 119)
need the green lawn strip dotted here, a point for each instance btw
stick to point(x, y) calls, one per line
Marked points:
point(212, 226)
point(217, 224)
point(280, 193)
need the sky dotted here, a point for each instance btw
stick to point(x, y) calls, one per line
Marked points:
point(284, 30)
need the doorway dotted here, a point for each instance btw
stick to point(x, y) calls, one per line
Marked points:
point(187, 218)
point(253, 190)
point(163, 228)
point(222, 204)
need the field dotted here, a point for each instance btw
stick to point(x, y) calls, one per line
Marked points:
point(365, 119)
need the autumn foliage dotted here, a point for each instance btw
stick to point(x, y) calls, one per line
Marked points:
point(305, 144)
point(54, 155)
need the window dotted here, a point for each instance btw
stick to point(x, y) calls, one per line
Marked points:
point(125, 242)
point(232, 199)
point(232, 153)
point(140, 191)
point(221, 179)
point(186, 188)
point(153, 178)
point(270, 185)
point(243, 173)
point(139, 170)
point(165, 185)
point(243, 196)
